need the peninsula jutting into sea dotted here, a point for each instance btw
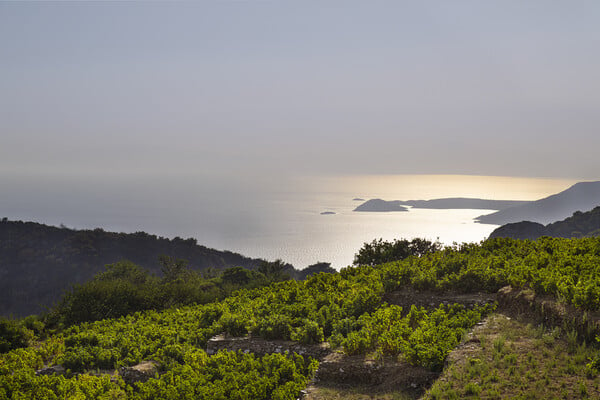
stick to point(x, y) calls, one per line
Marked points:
point(582, 196)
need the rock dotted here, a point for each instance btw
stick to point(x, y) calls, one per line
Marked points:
point(55, 369)
point(303, 394)
point(140, 372)
point(259, 346)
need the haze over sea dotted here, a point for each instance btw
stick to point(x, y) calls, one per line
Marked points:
point(267, 218)
point(206, 119)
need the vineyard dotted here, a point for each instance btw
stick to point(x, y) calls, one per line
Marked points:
point(345, 309)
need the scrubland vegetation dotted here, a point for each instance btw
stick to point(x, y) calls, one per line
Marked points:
point(346, 309)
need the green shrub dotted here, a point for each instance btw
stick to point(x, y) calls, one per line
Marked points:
point(13, 335)
point(233, 324)
point(275, 327)
point(308, 333)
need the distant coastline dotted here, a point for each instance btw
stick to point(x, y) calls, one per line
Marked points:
point(282, 221)
point(580, 197)
point(379, 205)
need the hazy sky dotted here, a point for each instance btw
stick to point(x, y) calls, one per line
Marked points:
point(305, 87)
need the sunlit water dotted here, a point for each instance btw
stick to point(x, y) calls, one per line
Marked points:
point(279, 218)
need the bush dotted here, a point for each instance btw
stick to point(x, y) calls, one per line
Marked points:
point(380, 251)
point(309, 333)
point(275, 327)
point(13, 335)
point(234, 325)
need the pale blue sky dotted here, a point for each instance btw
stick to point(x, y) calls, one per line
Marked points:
point(301, 87)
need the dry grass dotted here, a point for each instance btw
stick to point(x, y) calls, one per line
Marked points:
point(355, 393)
point(505, 358)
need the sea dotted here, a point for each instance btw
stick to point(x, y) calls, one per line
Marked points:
point(266, 217)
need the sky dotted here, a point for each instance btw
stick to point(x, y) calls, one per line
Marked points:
point(235, 88)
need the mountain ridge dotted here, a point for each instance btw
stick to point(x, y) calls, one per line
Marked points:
point(582, 196)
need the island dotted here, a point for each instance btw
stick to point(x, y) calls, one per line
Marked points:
point(379, 205)
point(581, 196)
point(327, 213)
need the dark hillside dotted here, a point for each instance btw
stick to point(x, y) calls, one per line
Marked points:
point(580, 224)
point(520, 230)
point(38, 262)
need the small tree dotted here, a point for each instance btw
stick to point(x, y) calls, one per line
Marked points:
point(124, 270)
point(380, 251)
point(237, 276)
point(13, 335)
point(172, 268)
point(315, 269)
point(274, 270)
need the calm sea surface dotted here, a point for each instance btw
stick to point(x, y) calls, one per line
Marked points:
point(278, 218)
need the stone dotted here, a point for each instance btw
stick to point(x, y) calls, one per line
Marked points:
point(55, 369)
point(140, 372)
point(261, 346)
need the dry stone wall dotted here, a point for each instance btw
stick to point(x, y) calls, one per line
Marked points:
point(259, 346)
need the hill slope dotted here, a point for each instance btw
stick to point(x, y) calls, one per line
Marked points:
point(364, 314)
point(38, 262)
point(580, 224)
point(581, 196)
